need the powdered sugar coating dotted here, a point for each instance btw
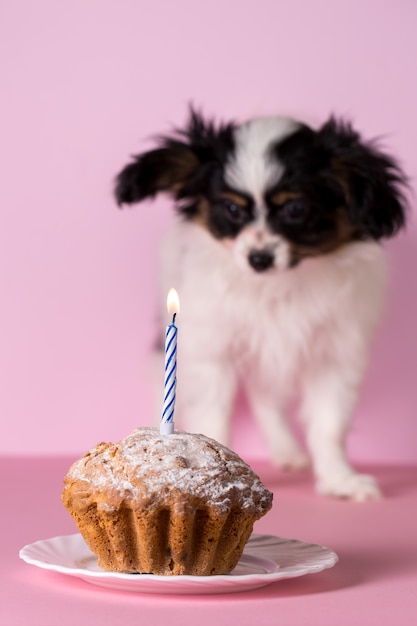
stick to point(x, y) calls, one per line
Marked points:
point(148, 469)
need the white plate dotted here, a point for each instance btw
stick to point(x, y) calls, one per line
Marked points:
point(265, 560)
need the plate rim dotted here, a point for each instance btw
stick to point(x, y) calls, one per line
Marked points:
point(244, 579)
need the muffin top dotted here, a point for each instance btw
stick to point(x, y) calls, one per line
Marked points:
point(146, 469)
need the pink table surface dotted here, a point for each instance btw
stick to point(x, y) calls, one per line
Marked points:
point(375, 581)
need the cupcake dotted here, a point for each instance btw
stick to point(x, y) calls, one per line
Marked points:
point(165, 504)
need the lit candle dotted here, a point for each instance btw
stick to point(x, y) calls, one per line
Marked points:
point(167, 421)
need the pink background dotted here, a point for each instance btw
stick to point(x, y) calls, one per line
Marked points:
point(83, 85)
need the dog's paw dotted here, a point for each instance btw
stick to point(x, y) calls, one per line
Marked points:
point(292, 459)
point(359, 487)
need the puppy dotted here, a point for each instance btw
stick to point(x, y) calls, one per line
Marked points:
point(277, 258)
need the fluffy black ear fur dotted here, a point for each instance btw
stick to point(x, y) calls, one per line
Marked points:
point(373, 182)
point(179, 165)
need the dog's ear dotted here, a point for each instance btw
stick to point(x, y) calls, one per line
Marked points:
point(179, 165)
point(167, 168)
point(372, 180)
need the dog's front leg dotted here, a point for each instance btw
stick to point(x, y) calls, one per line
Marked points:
point(329, 399)
point(268, 407)
point(206, 393)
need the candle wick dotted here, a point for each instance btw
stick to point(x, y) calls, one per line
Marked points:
point(173, 318)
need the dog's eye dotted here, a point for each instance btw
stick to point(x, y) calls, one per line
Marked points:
point(295, 210)
point(233, 212)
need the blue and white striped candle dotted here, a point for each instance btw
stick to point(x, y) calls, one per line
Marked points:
point(170, 383)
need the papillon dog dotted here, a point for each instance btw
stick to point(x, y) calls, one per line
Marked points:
point(276, 254)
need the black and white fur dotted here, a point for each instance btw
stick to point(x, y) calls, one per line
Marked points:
point(276, 256)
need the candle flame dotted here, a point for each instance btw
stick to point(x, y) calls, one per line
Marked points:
point(173, 302)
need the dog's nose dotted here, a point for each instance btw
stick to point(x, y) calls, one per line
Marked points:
point(260, 260)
